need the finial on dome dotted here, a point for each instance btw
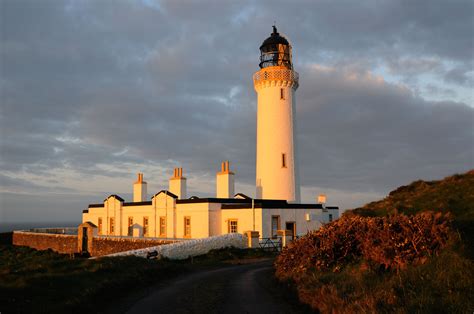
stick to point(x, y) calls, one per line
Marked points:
point(274, 29)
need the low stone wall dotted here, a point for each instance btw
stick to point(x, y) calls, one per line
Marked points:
point(109, 245)
point(60, 243)
point(68, 244)
point(185, 249)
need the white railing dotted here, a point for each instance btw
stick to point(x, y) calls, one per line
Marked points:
point(66, 230)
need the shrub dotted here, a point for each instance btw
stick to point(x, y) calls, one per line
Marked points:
point(381, 243)
point(387, 264)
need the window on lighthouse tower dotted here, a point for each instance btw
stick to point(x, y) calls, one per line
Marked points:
point(282, 94)
point(283, 160)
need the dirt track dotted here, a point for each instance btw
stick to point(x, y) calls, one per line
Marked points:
point(246, 288)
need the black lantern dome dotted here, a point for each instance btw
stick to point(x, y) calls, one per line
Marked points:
point(275, 51)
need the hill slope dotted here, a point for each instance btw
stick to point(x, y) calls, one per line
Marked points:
point(374, 259)
point(453, 194)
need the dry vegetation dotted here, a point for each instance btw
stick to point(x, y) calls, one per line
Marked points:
point(376, 259)
point(34, 281)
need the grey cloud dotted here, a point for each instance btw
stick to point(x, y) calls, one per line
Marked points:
point(170, 83)
point(375, 135)
point(460, 75)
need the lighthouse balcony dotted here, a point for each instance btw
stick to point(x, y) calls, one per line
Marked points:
point(276, 75)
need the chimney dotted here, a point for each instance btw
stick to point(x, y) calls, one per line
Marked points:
point(322, 199)
point(178, 183)
point(225, 181)
point(139, 189)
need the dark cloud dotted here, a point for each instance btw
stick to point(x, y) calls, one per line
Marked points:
point(92, 90)
point(376, 135)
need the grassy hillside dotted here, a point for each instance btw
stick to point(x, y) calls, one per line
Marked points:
point(454, 194)
point(410, 252)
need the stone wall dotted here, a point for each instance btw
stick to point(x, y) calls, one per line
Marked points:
point(196, 247)
point(109, 245)
point(60, 243)
point(67, 244)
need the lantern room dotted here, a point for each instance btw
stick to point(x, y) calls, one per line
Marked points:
point(275, 51)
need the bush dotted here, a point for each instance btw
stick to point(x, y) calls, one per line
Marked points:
point(381, 243)
point(396, 263)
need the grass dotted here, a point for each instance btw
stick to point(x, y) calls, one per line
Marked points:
point(46, 282)
point(443, 283)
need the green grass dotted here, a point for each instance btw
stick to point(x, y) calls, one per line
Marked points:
point(34, 281)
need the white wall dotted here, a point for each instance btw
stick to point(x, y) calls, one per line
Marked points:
point(296, 215)
point(275, 136)
point(225, 185)
point(199, 213)
point(139, 192)
point(185, 249)
point(245, 219)
point(207, 219)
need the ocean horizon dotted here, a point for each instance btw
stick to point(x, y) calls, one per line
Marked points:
point(11, 226)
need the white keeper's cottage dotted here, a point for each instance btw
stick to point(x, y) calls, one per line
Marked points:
point(170, 214)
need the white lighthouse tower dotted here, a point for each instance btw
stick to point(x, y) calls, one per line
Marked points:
point(275, 84)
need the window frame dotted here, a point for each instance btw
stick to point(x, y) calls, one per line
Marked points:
point(282, 94)
point(99, 225)
point(130, 224)
point(230, 226)
point(146, 226)
point(162, 219)
point(283, 161)
point(278, 226)
point(186, 230)
point(112, 225)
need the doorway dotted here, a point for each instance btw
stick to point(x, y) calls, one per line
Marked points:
point(291, 225)
point(85, 240)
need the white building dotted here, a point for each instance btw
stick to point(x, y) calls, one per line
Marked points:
point(170, 214)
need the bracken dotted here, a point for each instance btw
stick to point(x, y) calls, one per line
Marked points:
point(380, 243)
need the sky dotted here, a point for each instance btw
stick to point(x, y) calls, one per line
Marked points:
point(93, 92)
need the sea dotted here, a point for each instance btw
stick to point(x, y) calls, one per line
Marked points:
point(11, 226)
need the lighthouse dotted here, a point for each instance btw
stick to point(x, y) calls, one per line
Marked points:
point(276, 83)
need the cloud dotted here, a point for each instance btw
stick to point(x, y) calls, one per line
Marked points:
point(92, 92)
point(373, 135)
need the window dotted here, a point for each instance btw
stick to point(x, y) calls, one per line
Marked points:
point(330, 217)
point(99, 225)
point(282, 94)
point(232, 226)
point(162, 226)
point(275, 225)
point(130, 226)
point(111, 226)
point(283, 160)
point(187, 227)
point(145, 226)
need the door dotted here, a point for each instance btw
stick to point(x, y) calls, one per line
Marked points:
point(84, 240)
point(291, 225)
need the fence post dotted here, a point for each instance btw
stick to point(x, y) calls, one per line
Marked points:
point(286, 237)
point(252, 239)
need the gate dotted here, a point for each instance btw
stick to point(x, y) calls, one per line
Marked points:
point(269, 244)
point(85, 240)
